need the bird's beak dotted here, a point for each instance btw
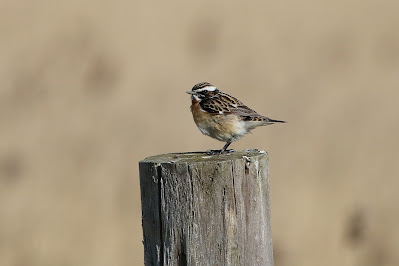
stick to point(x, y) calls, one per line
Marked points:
point(190, 92)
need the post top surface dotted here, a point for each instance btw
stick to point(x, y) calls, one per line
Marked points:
point(201, 156)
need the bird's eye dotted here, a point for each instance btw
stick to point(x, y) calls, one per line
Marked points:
point(202, 93)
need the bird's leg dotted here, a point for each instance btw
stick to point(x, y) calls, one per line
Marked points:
point(225, 146)
point(223, 150)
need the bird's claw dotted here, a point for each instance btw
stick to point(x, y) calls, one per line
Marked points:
point(217, 152)
point(252, 150)
point(213, 152)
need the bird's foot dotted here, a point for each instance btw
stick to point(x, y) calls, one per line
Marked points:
point(252, 150)
point(216, 152)
point(213, 152)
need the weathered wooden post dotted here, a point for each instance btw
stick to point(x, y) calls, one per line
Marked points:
point(206, 210)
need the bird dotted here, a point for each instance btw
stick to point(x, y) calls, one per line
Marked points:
point(222, 116)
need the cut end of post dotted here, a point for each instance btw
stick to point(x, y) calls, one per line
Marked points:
point(201, 156)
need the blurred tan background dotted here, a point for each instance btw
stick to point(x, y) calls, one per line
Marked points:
point(89, 88)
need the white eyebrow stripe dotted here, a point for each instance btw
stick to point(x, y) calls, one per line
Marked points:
point(208, 88)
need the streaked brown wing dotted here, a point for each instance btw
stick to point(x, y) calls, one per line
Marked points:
point(222, 103)
point(247, 114)
point(230, 100)
point(226, 104)
point(214, 106)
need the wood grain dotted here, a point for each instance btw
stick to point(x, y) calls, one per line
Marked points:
point(206, 210)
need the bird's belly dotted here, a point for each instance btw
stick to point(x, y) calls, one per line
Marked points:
point(220, 127)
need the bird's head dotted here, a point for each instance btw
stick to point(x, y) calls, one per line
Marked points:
point(203, 90)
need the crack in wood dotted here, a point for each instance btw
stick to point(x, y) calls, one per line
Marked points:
point(161, 248)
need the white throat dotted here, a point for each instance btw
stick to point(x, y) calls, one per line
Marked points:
point(196, 97)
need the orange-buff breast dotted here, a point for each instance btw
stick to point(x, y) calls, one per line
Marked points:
point(218, 126)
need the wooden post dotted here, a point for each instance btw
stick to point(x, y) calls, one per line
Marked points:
point(206, 210)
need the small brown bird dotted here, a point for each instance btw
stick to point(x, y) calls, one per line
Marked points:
point(222, 116)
